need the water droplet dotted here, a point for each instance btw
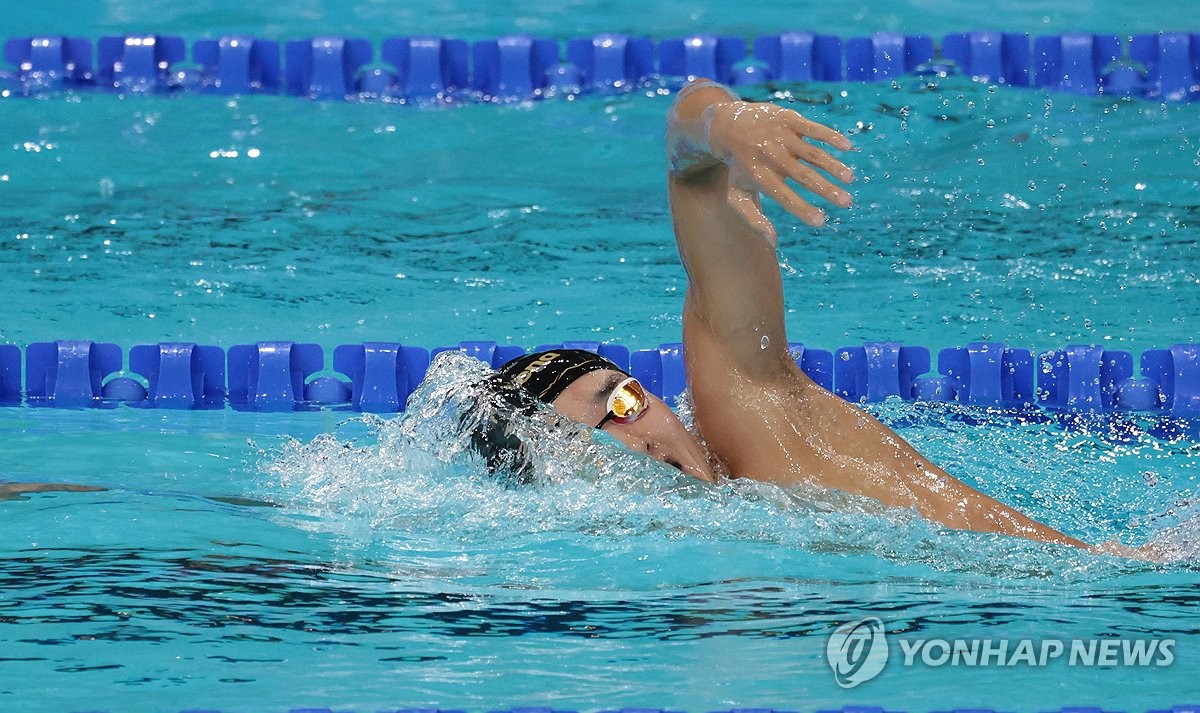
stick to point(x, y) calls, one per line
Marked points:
point(766, 341)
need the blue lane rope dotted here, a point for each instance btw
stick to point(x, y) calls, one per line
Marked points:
point(1162, 66)
point(378, 377)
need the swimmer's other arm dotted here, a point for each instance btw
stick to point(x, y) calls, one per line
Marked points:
point(723, 153)
point(17, 491)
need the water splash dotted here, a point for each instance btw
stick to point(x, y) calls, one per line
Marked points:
point(415, 478)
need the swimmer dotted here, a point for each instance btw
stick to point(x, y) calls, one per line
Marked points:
point(759, 414)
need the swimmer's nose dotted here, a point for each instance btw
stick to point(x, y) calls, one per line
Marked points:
point(660, 434)
point(701, 471)
point(675, 447)
point(691, 462)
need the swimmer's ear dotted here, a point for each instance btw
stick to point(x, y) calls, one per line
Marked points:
point(504, 454)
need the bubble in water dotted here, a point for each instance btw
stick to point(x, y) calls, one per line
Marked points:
point(107, 188)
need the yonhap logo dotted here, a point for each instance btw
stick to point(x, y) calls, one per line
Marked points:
point(857, 651)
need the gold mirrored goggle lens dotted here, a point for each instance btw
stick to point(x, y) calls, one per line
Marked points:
point(626, 402)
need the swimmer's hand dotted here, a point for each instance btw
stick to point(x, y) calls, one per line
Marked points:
point(1151, 552)
point(764, 145)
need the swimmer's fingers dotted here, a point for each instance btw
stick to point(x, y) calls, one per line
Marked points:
point(774, 186)
point(1150, 552)
point(765, 145)
point(809, 178)
point(812, 130)
point(745, 204)
point(804, 151)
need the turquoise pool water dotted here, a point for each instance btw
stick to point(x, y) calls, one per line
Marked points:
point(1065, 220)
point(263, 561)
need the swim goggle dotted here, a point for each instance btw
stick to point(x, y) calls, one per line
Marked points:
point(626, 403)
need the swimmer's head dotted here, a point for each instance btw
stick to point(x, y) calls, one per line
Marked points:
point(594, 391)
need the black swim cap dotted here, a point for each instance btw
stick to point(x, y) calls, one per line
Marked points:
point(513, 392)
point(547, 374)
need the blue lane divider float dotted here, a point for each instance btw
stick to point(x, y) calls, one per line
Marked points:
point(270, 376)
point(68, 373)
point(513, 66)
point(50, 63)
point(379, 376)
point(997, 57)
point(238, 65)
point(661, 370)
point(181, 375)
point(612, 60)
point(138, 63)
point(1172, 63)
point(801, 57)
point(1074, 63)
point(1177, 373)
point(1083, 378)
point(382, 374)
point(490, 353)
point(325, 67)
point(984, 374)
point(1162, 67)
point(700, 56)
point(425, 67)
point(10, 374)
point(877, 370)
point(886, 55)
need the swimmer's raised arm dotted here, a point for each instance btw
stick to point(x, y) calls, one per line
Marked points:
point(722, 152)
point(759, 413)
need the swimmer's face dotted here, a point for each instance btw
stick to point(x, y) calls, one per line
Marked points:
point(658, 432)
